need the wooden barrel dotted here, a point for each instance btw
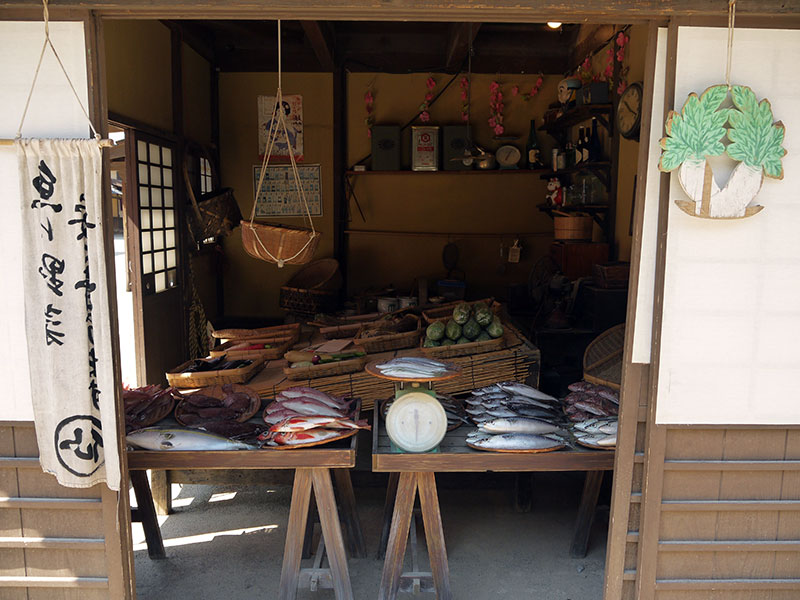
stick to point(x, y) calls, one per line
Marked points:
point(572, 227)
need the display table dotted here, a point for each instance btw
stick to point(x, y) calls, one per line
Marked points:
point(415, 472)
point(313, 468)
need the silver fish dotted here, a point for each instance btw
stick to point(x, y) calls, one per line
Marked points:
point(518, 425)
point(514, 441)
point(501, 411)
point(154, 438)
point(528, 402)
point(604, 426)
point(520, 389)
point(599, 439)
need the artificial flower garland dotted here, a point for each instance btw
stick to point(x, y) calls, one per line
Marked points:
point(465, 99)
point(424, 115)
point(496, 107)
point(535, 89)
point(369, 103)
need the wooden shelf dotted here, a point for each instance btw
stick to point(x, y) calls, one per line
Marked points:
point(587, 166)
point(519, 171)
point(578, 115)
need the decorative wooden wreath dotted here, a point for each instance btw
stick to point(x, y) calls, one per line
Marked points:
point(698, 131)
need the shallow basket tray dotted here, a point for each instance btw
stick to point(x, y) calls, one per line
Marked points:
point(281, 241)
point(389, 341)
point(463, 349)
point(291, 331)
point(216, 391)
point(278, 348)
point(192, 380)
point(602, 361)
point(342, 367)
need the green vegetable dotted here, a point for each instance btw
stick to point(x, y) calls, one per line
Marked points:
point(471, 329)
point(484, 317)
point(463, 340)
point(435, 331)
point(483, 337)
point(453, 330)
point(461, 313)
point(448, 342)
point(429, 343)
point(495, 329)
point(479, 306)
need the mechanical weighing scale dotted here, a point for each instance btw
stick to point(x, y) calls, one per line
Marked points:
point(416, 421)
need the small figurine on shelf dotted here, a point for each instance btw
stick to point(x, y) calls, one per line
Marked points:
point(555, 196)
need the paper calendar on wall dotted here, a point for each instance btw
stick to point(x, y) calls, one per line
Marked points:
point(279, 196)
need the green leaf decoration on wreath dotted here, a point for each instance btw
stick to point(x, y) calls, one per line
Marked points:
point(700, 130)
point(755, 139)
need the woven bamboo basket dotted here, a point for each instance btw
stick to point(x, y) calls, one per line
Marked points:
point(342, 367)
point(463, 349)
point(276, 350)
point(289, 331)
point(281, 241)
point(307, 302)
point(572, 227)
point(389, 341)
point(177, 378)
point(602, 361)
point(445, 311)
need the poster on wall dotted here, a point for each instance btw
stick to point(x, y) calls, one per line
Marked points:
point(279, 196)
point(292, 107)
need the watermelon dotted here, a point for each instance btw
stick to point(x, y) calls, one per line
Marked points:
point(461, 313)
point(435, 331)
point(471, 329)
point(453, 330)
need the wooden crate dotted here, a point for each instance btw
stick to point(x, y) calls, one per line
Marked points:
point(278, 348)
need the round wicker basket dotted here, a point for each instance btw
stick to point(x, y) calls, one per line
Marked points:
point(282, 242)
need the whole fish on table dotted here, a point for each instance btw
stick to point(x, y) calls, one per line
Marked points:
point(514, 441)
point(518, 425)
point(307, 392)
point(298, 437)
point(606, 426)
point(306, 406)
point(293, 424)
point(598, 439)
point(155, 438)
point(520, 389)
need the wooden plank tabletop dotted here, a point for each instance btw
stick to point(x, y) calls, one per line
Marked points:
point(455, 456)
point(335, 455)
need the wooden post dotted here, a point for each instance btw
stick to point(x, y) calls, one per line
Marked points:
point(349, 513)
point(586, 511)
point(434, 534)
point(398, 536)
point(293, 550)
point(332, 533)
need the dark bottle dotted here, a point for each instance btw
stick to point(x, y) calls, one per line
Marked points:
point(595, 147)
point(579, 147)
point(532, 150)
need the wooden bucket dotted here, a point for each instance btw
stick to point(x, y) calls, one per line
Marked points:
point(572, 227)
point(282, 242)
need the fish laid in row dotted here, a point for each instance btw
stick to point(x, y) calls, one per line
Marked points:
point(155, 438)
point(588, 400)
point(414, 367)
point(518, 442)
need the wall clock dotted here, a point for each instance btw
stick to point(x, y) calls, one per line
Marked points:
point(629, 111)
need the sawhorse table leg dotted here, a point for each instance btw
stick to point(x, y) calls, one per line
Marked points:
point(146, 514)
point(320, 480)
point(586, 511)
point(407, 487)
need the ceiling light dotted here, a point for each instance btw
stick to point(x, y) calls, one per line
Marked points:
point(553, 24)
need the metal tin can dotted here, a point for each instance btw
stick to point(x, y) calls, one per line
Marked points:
point(424, 148)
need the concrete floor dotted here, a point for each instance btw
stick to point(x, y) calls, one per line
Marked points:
point(226, 542)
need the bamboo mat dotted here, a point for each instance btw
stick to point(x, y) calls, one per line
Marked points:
point(516, 362)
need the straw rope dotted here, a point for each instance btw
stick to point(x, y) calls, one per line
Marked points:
point(731, 22)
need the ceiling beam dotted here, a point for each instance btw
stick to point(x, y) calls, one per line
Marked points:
point(196, 40)
point(460, 36)
point(588, 40)
point(319, 43)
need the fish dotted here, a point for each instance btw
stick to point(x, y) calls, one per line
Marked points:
point(515, 441)
point(293, 424)
point(413, 367)
point(155, 438)
point(606, 426)
point(307, 392)
point(502, 411)
point(306, 406)
point(523, 400)
point(299, 437)
point(520, 389)
point(518, 425)
point(232, 429)
point(599, 439)
point(279, 415)
point(591, 408)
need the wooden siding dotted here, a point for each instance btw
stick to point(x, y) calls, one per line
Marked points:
point(52, 538)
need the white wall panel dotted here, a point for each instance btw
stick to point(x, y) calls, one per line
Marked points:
point(731, 323)
point(53, 112)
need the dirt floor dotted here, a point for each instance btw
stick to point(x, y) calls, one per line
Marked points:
point(226, 542)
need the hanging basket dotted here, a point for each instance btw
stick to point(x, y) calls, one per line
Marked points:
point(279, 244)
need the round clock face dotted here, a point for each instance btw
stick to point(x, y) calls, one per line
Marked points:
point(416, 422)
point(508, 156)
point(629, 111)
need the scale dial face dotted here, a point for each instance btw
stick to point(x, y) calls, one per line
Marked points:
point(416, 422)
point(508, 156)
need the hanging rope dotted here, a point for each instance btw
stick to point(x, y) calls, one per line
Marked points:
point(198, 340)
point(48, 42)
point(731, 22)
point(279, 114)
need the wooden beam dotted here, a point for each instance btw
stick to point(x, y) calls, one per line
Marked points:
point(200, 41)
point(460, 36)
point(588, 40)
point(319, 43)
